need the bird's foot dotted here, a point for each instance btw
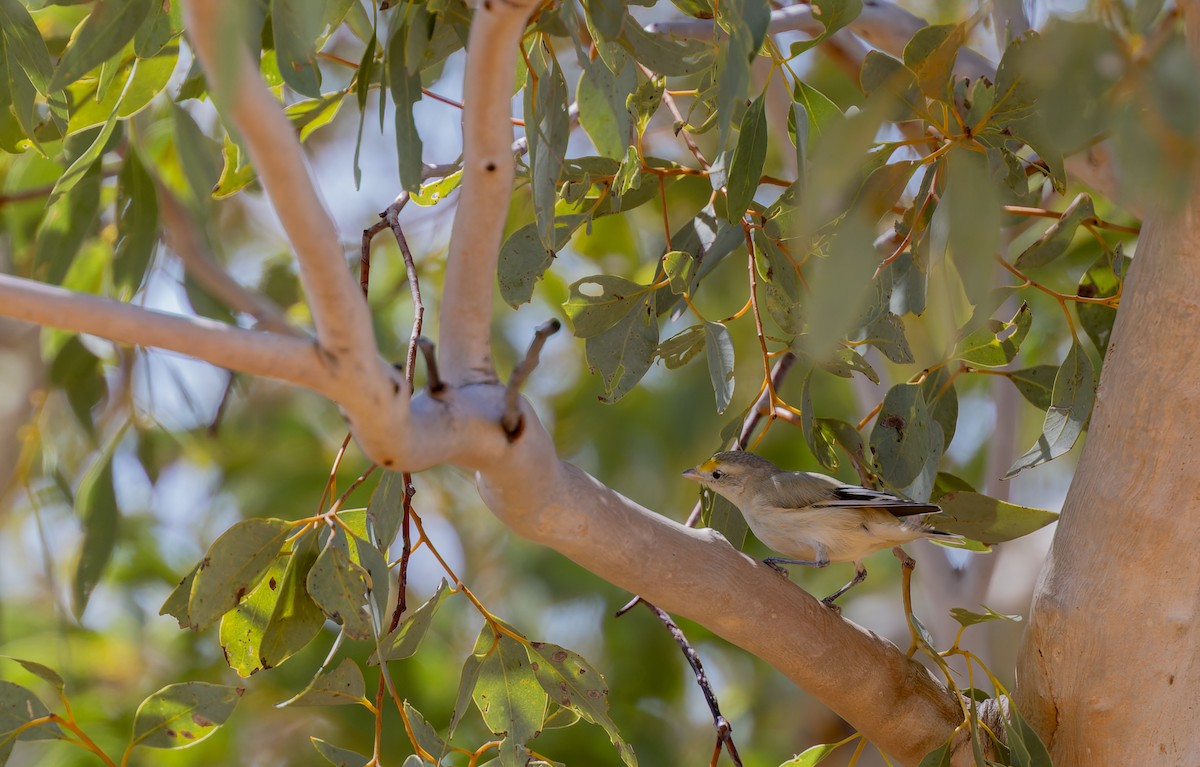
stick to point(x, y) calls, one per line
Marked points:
point(771, 563)
point(828, 602)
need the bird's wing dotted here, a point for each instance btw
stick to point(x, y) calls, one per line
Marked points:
point(852, 496)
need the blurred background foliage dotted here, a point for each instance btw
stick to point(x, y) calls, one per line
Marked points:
point(102, 156)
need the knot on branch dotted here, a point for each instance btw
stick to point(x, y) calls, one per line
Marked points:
point(512, 421)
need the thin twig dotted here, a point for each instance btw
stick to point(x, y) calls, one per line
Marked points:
point(393, 219)
point(724, 729)
point(512, 420)
point(433, 379)
point(405, 553)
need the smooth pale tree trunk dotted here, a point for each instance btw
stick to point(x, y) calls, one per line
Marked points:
point(1109, 671)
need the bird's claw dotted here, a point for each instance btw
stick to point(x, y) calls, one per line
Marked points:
point(776, 567)
point(837, 609)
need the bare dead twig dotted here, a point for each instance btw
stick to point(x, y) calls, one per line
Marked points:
point(720, 723)
point(434, 382)
point(512, 420)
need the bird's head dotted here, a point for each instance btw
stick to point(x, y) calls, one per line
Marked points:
point(732, 472)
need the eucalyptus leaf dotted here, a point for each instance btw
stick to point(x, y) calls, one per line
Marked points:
point(986, 519)
point(1070, 407)
point(181, 715)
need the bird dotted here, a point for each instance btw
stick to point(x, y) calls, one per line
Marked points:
point(814, 519)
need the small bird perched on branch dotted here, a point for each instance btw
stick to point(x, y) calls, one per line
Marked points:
point(814, 519)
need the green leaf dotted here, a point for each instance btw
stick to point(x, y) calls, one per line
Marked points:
point(424, 736)
point(939, 757)
point(603, 112)
point(137, 82)
point(236, 172)
point(886, 333)
point(1036, 384)
point(435, 191)
point(780, 282)
point(96, 504)
point(846, 362)
point(511, 699)
point(196, 155)
point(406, 91)
point(83, 165)
point(309, 115)
point(404, 641)
point(342, 686)
point(137, 223)
point(823, 114)
point(812, 756)
point(181, 715)
point(573, 683)
point(232, 567)
point(624, 352)
point(339, 587)
point(819, 441)
point(548, 128)
point(81, 375)
point(993, 345)
point(967, 618)
point(718, 346)
point(339, 757)
point(25, 42)
point(385, 511)
point(1025, 746)
point(987, 520)
point(941, 399)
point(930, 54)
point(176, 603)
point(745, 169)
point(523, 261)
point(681, 348)
point(19, 706)
point(45, 673)
point(721, 515)
point(470, 675)
point(1070, 407)
point(972, 208)
point(666, 55)
point(680, 268)
point(102, 35)
point(598, 303)
point(295, 27)
point(1054, 242)
point(277, 618)
point(608, 16)
point(904, 437)
point(164, 24)
point(1100, 281)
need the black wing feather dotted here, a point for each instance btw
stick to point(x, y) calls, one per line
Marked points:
point(853, 496)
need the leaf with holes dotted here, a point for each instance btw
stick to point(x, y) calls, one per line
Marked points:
point(572, 683)
point(996, 343)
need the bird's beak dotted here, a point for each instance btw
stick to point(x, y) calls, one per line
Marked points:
point(700, 473)
point(693, 474)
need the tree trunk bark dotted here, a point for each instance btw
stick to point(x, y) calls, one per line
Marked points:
point(1109, 671)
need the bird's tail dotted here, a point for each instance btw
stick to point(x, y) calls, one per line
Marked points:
point(938, 536)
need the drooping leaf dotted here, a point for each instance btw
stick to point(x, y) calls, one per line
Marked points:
point(176, 603)
point(718, 345)
point(81, 375)
point(1100, 281)
point(719, 514)
point(1070, 407)
point(278, 618)
point(987, 520)
point(338, 756)
point(573, 683)
point(548, 128)
point(887, 335)
point(511, 699)
point(1054, 242)
point(181, 715)
point(663, 54)
point(523, 261)
point(603, 98)
point(904, 437)
point(624, 352)
point(233, 566)
point(931, 53)
point(1025, 746)
point(385, 511)
point(469, 676)
point(405, 640)
point(939, 757)
point(405, 88)
point(96, 504)
point(137, 223)
point(600, 302)
point(1036, 384)
point(339, 687)
point(746, 167)
point(339, 587)
point(295, 27)
point(424, 736)
point(681, 348)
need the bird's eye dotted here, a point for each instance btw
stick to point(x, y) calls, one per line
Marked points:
point(718, 474)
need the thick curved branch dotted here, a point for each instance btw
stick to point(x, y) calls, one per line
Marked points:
point(488, 167)
point(339, 312)
point(286, 358)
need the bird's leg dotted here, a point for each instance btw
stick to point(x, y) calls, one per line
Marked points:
point(775, 563)
point(860, 575)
